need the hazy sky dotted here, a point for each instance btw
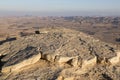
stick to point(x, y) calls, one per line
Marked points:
point(60, 7)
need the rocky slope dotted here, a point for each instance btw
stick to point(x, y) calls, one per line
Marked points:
point(61, 54)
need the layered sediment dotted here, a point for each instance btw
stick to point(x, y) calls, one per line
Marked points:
point(69, 53)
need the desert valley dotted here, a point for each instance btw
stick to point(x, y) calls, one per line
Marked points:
point(59, 48)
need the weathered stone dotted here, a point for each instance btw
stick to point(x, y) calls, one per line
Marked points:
point(65, 52)
point(60, 78)
point(48, 57)
point(89, 63)
point(64, 59)
point(22, 64)
point(70, 78)
point(76, 62)
point(115, 60)
point(22, 55)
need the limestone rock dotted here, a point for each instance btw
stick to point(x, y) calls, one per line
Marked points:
point(116, 59)
point(70, 78)
point(64, 59)
point(66, 53)
point(24, 63)
point(89, 63)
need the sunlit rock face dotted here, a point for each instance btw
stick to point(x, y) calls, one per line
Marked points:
point(58, 53)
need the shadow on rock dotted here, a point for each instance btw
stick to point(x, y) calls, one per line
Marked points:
point(7, 40)
point(1, 62)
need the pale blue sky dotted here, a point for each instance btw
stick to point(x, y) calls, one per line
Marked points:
point(61, 7)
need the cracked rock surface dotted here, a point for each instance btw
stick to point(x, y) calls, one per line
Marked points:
point(63, 54)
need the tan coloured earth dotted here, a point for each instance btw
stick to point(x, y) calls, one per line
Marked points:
point(59, 54)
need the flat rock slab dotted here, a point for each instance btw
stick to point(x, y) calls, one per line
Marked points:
point(22, 55)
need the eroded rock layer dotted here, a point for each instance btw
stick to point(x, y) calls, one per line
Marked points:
point(59, 53)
